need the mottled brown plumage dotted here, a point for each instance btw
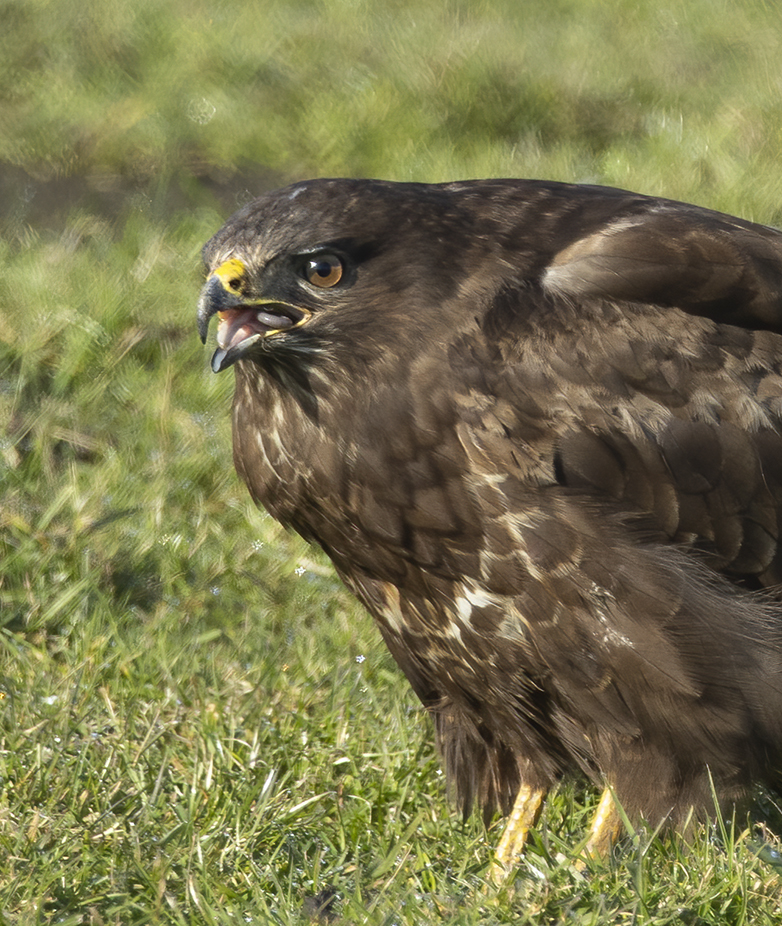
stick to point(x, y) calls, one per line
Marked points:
point(537, 429)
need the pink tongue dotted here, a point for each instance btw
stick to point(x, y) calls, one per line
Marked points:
point(234, 327)
point(237, 335)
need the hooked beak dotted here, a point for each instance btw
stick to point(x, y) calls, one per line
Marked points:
point(242, 322)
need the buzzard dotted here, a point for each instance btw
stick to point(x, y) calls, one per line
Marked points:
point(537, 427)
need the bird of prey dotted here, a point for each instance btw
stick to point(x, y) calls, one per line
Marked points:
point(537, 427)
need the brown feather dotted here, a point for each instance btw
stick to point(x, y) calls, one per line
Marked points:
point(538, 429)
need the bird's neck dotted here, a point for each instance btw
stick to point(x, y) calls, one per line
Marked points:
point(360, 484)
point(291, 444)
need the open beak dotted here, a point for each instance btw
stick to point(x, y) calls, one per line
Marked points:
point(242, 322)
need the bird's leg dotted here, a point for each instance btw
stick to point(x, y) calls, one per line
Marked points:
point(606, 827)
point(524, 814)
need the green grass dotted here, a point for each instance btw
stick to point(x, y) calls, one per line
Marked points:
point(198, 724)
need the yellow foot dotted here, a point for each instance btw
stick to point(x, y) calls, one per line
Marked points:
point(605, 829)
point(524, 814)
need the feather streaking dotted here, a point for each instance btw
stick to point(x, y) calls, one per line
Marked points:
point(537, 428)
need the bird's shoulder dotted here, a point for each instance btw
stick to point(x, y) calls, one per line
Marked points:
point(671, 417)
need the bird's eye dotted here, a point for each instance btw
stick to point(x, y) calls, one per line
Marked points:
point(325, 270)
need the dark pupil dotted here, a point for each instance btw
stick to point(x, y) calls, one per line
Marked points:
point(323, 268)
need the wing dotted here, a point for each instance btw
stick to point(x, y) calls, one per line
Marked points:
point(622, 380)
point(627, 457)
point(672, 254)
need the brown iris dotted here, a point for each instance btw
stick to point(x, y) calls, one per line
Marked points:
point(324, 270)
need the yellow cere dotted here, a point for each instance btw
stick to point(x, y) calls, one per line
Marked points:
point(230, 273)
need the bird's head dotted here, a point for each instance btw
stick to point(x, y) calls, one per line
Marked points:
point(344, 266)
point(255, 305)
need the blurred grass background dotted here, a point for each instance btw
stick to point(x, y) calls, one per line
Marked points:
point(197, 723)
